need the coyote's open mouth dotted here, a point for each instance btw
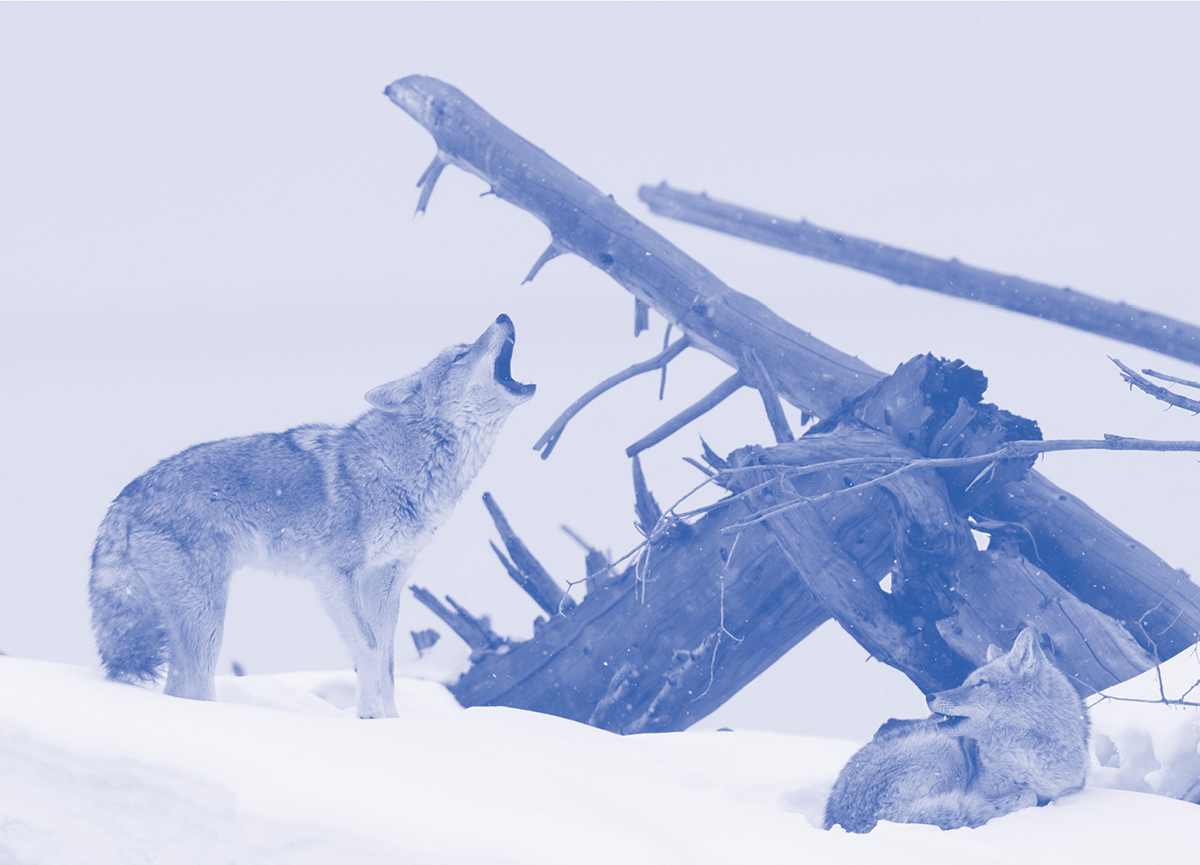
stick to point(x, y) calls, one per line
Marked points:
point(504, 371)
point(949, 722)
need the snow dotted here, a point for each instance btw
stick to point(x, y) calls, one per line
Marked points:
point(1151, 747)
point(280, 770)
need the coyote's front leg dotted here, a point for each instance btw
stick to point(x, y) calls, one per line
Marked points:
point(365, 605)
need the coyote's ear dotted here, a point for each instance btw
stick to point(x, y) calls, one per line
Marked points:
point(993, 652)
point(402, 396)
point(1025, 648)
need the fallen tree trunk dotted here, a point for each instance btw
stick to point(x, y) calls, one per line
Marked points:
point(631, 656)
point(1067, 306)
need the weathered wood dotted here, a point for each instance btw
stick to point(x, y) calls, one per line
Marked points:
point(650, 669)
point(757, 377)
point(997, 594)
point(1062, 305)
point(550, 437)
point(706, 403)
point(806, 372)
point(622, 663)
point(526, 571)
point(585, 221)
point(860, 606)
point(948, 600)
point(475, 632)
point(1158, 391)
point(1102, 565)
point(645, 506)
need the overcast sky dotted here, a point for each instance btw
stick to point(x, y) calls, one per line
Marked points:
point(206, 230)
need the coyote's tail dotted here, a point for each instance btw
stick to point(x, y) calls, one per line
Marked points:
point(130, 635)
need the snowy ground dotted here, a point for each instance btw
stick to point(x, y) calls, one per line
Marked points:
point(280, 771)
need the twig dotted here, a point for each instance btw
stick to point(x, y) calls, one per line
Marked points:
point(1165, 377)
point(551, 436)
point(721, 629)
point(1012, 450)
point(714, 397)
point(662, 384)
point(1164, 700)
point(1157, 391)
point(1063, 305)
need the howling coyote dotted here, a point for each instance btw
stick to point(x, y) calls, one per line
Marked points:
point(348, 507)
point(1013, 735)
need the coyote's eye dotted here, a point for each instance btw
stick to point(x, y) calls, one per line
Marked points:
point(460, 356)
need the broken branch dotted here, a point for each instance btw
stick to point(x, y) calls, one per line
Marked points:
point(527, 571)
point(475, 632)
point(1157, 391)
point(1171, 378)
point(807, 372)
point(1062, 305)
point(551, 436)
point(757, 376)
point(685, 417)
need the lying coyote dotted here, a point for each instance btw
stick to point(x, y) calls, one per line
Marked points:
point(1013, 735)
point(346, 507)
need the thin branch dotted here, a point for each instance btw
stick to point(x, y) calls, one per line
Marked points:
point(721, 629)
point(758, 378)
point(551, 436)
point(1157, 391)
point(1165, 377)
point(685, 417)
point(662, 384)
point(1062, 305)
point(1165, 701)
point(1012, 450)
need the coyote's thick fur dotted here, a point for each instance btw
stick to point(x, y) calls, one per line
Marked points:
point(348, 507)
point(1013, 735)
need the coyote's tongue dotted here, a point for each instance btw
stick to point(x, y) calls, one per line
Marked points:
point(504, 371)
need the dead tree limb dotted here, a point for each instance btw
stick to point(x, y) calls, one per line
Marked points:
point(1017, 450)
point(551, 436)
point(1157, 391)
point(757, 377)
point(525, 569)
point(588, 223)
point(706, 403)
point(1066, 306)
point(1171, 378)
point(475, 632)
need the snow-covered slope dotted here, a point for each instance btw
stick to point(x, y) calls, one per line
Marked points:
point(280, 771)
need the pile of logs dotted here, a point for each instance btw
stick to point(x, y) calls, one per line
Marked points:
point(869, 518)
